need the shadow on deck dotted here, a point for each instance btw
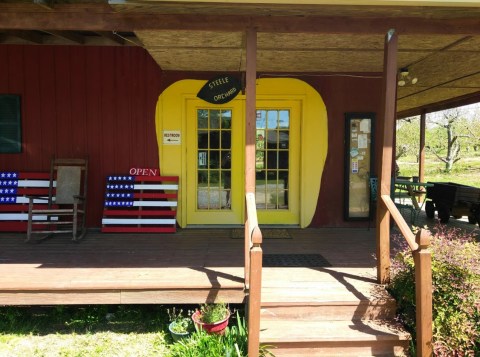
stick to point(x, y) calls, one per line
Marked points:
point(190, 266)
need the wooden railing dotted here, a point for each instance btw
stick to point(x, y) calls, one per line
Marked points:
point(418, 244)
point(253, 273)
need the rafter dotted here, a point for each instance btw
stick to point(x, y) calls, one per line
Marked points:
point(69, 36)
point(101, 21)
point(112, 37)
point(29, 36)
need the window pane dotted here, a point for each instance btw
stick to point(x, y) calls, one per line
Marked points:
point(202, 139)
point(214, 119)
point(226, 119)
point(202, 117)
point(10, 124)
point(214, 139)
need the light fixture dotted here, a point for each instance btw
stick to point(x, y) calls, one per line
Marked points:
point(404, 77)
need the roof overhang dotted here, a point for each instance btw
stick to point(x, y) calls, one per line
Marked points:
point(439, 41)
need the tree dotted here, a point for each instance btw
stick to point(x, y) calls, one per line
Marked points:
point(451, 126)
point(408, 137)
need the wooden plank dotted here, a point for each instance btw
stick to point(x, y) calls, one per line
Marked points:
point(60, 298)
point(387, 121)
point(125, 197)
point(128, 21)
point(14, 188)
point(186, 296)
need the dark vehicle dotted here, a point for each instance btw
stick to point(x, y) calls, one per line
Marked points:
point(453, 199)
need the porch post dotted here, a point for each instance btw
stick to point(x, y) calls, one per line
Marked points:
point(253, 250)
point(385, 164)
point(421, 155)
point(250, 128)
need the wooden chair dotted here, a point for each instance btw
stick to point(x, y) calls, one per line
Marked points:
point(66, 201)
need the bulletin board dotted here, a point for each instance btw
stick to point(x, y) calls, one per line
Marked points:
point(359, 144)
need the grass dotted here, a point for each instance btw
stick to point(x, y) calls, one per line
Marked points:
point(466, 171)
point(100, 330)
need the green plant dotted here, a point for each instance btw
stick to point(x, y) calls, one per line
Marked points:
point(179, 321)
point(210, 313)
point(233, 343)
point(456, 291)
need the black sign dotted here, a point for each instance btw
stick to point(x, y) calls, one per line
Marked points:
point(220, 90)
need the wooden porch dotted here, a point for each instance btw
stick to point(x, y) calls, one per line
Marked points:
point(190, 266)
point(305, 310)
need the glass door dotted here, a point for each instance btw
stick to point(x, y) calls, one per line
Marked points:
point(277, 163)
point(214, 165)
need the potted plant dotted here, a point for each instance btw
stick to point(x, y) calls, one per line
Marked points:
point(180, 325)
point(212, 318)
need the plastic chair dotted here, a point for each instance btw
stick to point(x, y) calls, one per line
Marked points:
point(66, 201)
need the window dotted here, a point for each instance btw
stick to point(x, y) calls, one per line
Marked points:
point(10, 125)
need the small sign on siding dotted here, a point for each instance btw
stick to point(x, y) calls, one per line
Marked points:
point(172, 137)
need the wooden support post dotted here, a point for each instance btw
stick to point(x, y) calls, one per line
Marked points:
point(250, 130)
point(423, 294)
point(254, 298)
point(421, 154)
point(253, 249)
point(387, 123)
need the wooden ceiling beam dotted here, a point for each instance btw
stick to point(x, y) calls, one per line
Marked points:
point(29, 36)
point(69, 36)
point(467, 99)
point(111, 36)
point(106, 21)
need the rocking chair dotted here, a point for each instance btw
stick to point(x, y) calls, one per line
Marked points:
point(66, 201)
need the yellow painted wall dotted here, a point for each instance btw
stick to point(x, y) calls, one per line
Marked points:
point(171, 115)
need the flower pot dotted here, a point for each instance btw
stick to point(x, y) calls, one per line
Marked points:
point(214, 327)
point(177, 335)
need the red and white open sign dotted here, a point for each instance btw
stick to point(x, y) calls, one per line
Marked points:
point(138, 171)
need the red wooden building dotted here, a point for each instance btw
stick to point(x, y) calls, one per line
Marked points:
point(315, 107)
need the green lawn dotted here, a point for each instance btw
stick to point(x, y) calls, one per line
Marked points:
point(101, 331)
point(466, 171)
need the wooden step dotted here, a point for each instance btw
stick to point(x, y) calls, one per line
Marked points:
point(329, 312)
point(290, 337)
point(332, 311)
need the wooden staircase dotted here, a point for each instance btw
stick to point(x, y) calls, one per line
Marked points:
point(328, 312)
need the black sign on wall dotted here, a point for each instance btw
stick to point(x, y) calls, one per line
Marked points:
point(220, 90)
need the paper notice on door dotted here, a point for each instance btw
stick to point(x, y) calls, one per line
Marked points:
point(354, 166)
point(365, 126)
point(362, 141)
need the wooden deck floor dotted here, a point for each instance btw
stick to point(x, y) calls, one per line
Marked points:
point(190, 266)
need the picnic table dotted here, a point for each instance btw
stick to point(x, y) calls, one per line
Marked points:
point(414, 190)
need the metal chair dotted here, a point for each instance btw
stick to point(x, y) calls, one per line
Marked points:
point(66, 202)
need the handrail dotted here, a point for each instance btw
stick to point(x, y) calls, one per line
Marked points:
point(253, 273)
point(419, 245)
point(401, 223)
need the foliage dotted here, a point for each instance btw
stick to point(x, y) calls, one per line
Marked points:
point(456, 291)
point(210, 313)
point(233, 343)
point(408, 137)
point(450, 135)
point(180, 322)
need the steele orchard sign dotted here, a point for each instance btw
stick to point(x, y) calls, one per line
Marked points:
point(220, 90)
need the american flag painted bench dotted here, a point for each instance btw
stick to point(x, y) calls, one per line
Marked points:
point(145, 204)
point(15, 187)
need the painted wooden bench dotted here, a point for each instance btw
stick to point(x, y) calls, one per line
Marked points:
point(140, 204)
point(15, 187)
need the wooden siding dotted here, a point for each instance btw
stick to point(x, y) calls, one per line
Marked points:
point(76, 101)
point(100, 101)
